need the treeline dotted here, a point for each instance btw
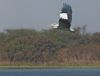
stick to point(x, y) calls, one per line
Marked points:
point(49, 47)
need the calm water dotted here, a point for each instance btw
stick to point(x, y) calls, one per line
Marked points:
point(51, 72)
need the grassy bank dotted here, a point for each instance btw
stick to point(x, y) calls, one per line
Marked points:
point(22, 48)
point(47, 66)
point(8, 65)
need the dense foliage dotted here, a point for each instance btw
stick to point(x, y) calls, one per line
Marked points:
point(49, 47)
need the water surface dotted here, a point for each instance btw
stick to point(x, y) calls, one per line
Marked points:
point(51, 72)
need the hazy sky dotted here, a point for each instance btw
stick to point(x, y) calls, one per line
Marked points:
point(40, 14)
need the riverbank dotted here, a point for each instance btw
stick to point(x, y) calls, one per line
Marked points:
point(24, 66)
point(23, 48)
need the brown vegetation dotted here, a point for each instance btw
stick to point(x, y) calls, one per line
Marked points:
point(49, 47)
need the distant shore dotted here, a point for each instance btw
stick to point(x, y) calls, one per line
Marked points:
point(27, 48)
